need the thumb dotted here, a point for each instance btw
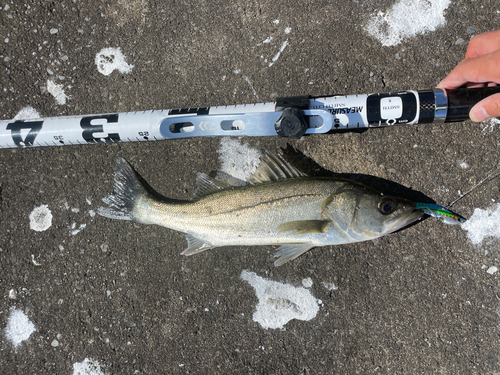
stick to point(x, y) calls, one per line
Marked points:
point(486, 108)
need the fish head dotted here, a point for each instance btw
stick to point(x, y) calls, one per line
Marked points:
point(364, 213)
point(378, 215)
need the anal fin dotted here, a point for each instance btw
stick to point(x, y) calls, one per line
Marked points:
point(304, 227)
point(290, 251)
point(195, 246)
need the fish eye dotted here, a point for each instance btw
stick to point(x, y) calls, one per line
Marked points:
point(386, 206)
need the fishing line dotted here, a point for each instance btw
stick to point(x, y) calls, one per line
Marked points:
point(483, 181)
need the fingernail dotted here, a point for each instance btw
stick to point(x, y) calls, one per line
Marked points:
point(479, 114)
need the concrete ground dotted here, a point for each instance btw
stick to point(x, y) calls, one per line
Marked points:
point(106, 296)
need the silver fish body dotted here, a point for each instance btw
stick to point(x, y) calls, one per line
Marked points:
point(280, 206)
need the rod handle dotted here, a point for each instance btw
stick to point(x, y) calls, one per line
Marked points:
point(461, 100)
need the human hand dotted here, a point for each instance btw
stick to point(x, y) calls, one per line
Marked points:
point(481, 67)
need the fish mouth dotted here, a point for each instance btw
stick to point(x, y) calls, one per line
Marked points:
point(404, 220)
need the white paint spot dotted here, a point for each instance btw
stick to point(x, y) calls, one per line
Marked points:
point(276, 22)
point(54, 343)
point(268, 40)
point(12, 294)
point(279, 303)
point(27, 113)
point(91, 213)
point(330, 286)
point(464, 165)
point(492, 270)
point(57, 91)
point(19, 328)
point(307, 282)
point(483, 224)
point(238, 161)
point(109, 59)
point(88, 201)
point(288, 30)
point(89, 366)
point(40, 218)
point(276, 57)
point(405, 19)
point(237, 71)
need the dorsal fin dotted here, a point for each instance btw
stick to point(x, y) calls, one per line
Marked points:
point(274, 168)
point(206, 185)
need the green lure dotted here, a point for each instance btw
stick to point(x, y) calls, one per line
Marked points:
point(440, 213)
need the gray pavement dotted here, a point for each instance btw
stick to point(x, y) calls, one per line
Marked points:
point(117, 295)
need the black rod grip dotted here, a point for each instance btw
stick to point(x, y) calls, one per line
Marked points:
point(461, 100)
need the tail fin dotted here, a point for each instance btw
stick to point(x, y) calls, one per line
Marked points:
point(126, 189)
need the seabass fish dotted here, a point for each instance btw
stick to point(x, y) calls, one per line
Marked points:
point(279, 206)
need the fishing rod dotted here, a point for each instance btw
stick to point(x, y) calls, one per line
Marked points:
point(290, 117)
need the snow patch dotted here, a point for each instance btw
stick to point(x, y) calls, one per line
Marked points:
point(19, 328)
point(40, 218)
point(238, 161)
point(307, 282)
point(330, 286)
point(492, 270)
point(88, 366)
point(251, 86)
point(73, 230)
point(27, 113)
point(276, 57)
point(489, 126)
point(279, 303)
point(407, 18)
point(57, 91)
point(483, 224)
point(109, 59)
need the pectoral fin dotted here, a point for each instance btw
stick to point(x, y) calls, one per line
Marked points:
point(195, 246)
point(290, 251)
point(304, 227)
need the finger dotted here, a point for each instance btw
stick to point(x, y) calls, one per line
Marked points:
point(481, 69)
point(474, 85)
point(483, 44)
point(486, 108)
point(487, 84)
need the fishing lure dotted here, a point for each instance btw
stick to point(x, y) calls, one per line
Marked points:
point(440, 213)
